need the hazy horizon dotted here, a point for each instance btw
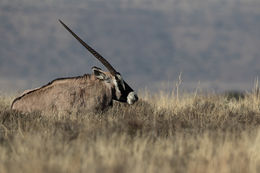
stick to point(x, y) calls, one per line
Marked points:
point(213, 44)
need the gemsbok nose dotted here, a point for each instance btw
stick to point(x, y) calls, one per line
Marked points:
point(132, 98)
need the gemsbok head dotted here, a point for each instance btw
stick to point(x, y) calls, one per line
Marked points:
point(90, 92)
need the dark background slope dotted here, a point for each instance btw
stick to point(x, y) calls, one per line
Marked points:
point(215, 42)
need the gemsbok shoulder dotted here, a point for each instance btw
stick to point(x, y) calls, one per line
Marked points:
point(90, 92)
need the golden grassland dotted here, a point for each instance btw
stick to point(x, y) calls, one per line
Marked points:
point(160, 133)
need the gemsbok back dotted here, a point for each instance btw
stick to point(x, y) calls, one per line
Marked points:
point(90, 92)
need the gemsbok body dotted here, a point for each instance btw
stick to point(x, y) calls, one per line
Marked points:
point(90, 92)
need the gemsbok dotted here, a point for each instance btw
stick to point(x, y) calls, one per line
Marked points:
point(90, 92)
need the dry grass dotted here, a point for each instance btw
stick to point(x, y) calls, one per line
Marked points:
point(161, 133)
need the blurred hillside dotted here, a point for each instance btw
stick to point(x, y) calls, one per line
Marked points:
point(215, 42)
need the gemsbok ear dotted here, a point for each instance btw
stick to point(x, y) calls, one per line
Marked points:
point(99, 73)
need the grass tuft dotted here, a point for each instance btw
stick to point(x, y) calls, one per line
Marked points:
point(166, 133)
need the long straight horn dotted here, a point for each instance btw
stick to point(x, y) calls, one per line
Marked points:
point(92, 51)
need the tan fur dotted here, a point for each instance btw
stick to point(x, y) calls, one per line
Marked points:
point(66, 96)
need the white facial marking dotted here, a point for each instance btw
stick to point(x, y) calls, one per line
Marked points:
point(131, 98)
point(121, 80)
point(116, 86)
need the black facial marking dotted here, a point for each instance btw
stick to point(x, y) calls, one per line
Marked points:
point(124, 93)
